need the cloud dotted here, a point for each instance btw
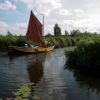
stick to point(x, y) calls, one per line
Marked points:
point(17, 28)
point(54, 3)
point(43, 6)
point(3, 25)
point(6, 5)
point(79, 11)
point(28, 2)
point(89, 24)
point(69, 14)
point(22, 26)
point(64, 12)
point(47, 12)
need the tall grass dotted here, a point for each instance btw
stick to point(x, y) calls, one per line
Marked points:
point(59, 41)
point(7, 40)
point(86, 55)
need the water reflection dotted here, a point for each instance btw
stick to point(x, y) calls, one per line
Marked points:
point(35, 71)
point(11, 59)
point(90, 83)
point(35, 68)
point(86, 81)
point(46, 70)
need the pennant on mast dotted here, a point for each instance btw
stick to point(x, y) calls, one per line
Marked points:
point(34, 31)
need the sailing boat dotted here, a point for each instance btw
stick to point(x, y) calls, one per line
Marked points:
point(34, 33)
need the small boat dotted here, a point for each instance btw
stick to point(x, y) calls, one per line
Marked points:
point(34, 33)
point(20, 50)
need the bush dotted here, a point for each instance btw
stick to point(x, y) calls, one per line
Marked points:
point(59, 41)
point(86, 55)
point(7, 40)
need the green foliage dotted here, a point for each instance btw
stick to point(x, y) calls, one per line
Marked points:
point(36, 97)
point(9, 39)
point(57, 30)
point(48, 35)
point(75, 33)
point(24, 92)
point(59, 41)
point(86, 55)
point(9, 34)
point(20, 41)
point(66, 33)
point(5, 41)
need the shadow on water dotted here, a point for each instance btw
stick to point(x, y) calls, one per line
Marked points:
point(35, 68)
point(17, 70)
point(87, 81)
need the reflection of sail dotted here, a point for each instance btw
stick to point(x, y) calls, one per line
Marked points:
point(35, 69)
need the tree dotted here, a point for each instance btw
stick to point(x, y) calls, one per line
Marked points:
point(49, 35)
point(75, 33)
point(9, 33)
point(57, 30)
point(66, 32)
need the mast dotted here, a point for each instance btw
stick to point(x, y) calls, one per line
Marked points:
point(43, 26)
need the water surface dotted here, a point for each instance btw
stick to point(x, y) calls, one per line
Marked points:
point(47, 71)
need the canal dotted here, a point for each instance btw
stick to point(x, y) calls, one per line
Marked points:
point(47, 71)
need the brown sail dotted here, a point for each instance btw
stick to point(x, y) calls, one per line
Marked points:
point(34, 31)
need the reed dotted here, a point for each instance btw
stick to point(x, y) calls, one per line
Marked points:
point(85, 56)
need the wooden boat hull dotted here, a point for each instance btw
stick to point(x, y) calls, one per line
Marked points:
point(20, 50)
point(42, 49)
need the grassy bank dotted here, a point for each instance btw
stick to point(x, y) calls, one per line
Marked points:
point(86, 55)
point(7, 40)
point(58, 41)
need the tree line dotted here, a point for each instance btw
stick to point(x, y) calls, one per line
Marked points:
point(74, 32)
point(68, 39)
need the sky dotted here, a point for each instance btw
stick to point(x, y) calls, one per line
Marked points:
point(69, 14)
